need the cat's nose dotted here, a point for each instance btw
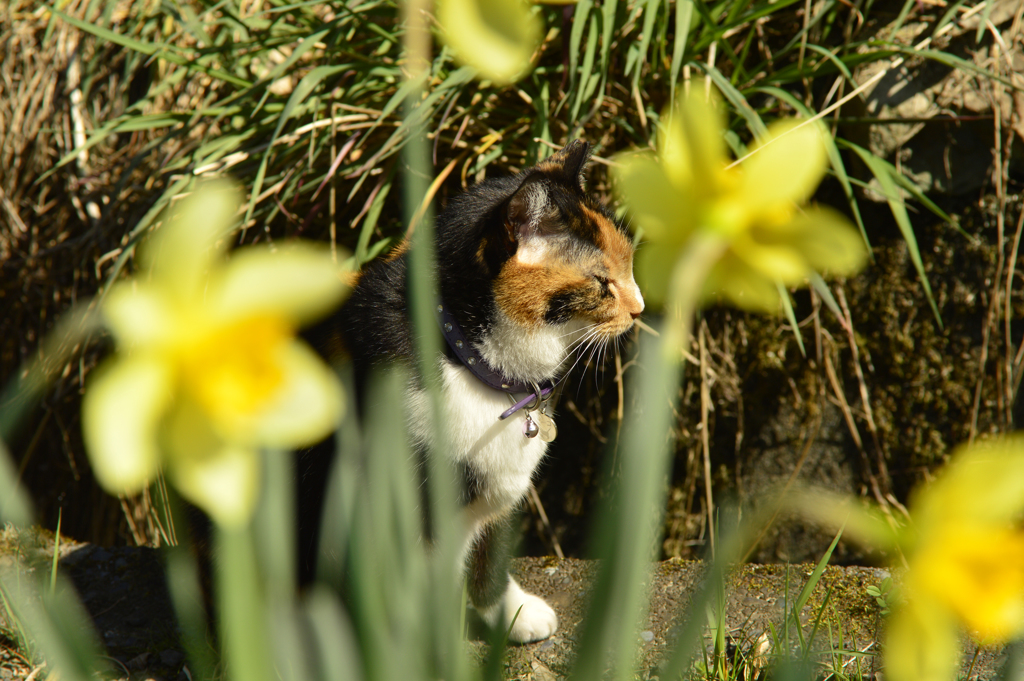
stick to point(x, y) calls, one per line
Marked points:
point(637, 307)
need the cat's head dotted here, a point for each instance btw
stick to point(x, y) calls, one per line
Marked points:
point(564, 258)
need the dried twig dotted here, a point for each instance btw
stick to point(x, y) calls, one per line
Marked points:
point(536, 504)
point(705, 406)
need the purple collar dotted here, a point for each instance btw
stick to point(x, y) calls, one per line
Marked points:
point(484, 372)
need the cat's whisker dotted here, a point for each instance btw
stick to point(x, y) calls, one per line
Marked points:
point(584, 341)
point(600, 361)
point(580, 330)
point(579, 356)
point(585, 332)
point(581, 348)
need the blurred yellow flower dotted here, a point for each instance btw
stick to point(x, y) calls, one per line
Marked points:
point(688, 188)
point(496, 37)
point(965, 552)
point(208, 368)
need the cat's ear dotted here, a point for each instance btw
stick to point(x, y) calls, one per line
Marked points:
point(530, 212)
point(568, 163)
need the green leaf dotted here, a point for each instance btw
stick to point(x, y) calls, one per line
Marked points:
point(650, 14)
point(308, 83)
point(588, 67)
point(580, 17)
point(959, 63)
point(739, 102)
point(684, 16)
point(787, 307)
point(812, 581)
point(825, 293)
point(160, 51)
point(15, 506)
point(885, 173)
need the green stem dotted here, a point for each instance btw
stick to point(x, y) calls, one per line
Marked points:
point(243, 624)
point(685, 289)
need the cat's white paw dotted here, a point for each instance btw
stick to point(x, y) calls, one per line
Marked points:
point(535, 621)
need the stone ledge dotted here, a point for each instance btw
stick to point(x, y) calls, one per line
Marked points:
point(124, 592)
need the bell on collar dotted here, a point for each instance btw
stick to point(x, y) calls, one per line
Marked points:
point(530, 428)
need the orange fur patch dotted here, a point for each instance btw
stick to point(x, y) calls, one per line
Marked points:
point(522, 291)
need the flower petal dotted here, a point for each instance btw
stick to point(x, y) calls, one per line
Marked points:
point(983, 483)
point(977, 571)
point(299, 282)
point(829, 242)
point(691, 144)
point(743, 286)
point(220, 477)
point(138, 314)
point(774, 261)
point(654, 266)
point(787, 168)
point(496, 37)
point(653, 198)
point(121, 412)
point(183, 250)
point(921, 644)
point(308, 406)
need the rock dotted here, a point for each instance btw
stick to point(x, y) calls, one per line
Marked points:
point(936, 120)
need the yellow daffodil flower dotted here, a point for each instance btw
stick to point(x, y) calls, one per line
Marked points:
point(496, 37)
point(688, 189)
point(208, 368)
point(965, 552)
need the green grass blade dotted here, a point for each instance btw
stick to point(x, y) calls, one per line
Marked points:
point(56, 553)
point(650, 14)
point(623, 533)
point(306, 86)
point(684, 18)
point(830, 55)
point(736, 98)
point(187, 599)
point(815, 577)
point(580, 20)
point(14, 503)
point(787, 307)
point(902, 16)
point(57, 625)
point(160, 51)
point(884, 172)
point(983, 24)
point(241, 606)
point(959, 63)
point(608, 12)
point(817, 622)
point(825, 293)
point(587, 74)
point(370, 224)
point(907, 184)
point(948, 16)
point(333, 636)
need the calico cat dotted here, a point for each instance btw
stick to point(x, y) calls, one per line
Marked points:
point(529, 267)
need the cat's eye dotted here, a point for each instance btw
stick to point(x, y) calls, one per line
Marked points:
point(603, 281)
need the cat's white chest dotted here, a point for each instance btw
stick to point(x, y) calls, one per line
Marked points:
point(496, 452)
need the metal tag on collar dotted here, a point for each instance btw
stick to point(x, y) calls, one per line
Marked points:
point(546, 425)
